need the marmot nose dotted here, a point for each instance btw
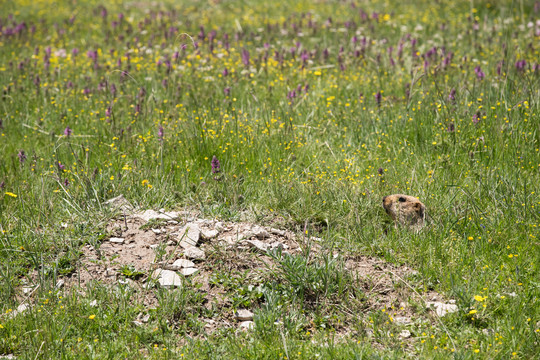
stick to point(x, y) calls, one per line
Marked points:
point(384, 198)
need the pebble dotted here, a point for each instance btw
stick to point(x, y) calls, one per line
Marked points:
point(167, 278)
point(258, 245)
point(189, 235)
point(188, 271)
point(209, 234)
point(244, 315)
point(260, 232)
point(405, 334)
point(194, 253)
point(441, 309)
point(247, 325)
point(117, 240)
point(183, 263)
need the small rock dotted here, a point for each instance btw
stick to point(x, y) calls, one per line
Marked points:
point(244, 315)
point(20, 309)
point(138, 323)
point(209, 234)
point(316, 239)
point(277, 232)
point(219, 226)
point(488, 332)
point(402, 320)
point(59, 284)
point(442, 309)
point(247, 325)
point(167, 278)
point(93, 303)
point(277, 244)
point(170, 243)
point(405, 334)
point(259, 245)
point(154, 246)
point(194, 253)
point(27, 290)
point(183, 263)
point(260, 232)
point(119, 203)
point(172, 222)
point(188, 271)
point(117, 240)
point(189, 235)
point(157, 231)
point(145, 318)
point(154, 215)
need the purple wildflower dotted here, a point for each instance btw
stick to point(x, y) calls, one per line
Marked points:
point(452, 95)
point(225, 72)
point(476, 118)
point(245, 57)
point(67, 131)
point(66, 183)
point(378, 98)
point(520, 65)
point(380, 171)
point(215, 165)
point(227, 91)
point(22, 156)
point(2, 185)
point(479, 73)
point(160, 133)
point(61, 167)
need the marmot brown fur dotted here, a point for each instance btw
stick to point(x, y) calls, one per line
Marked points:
point(406, 210)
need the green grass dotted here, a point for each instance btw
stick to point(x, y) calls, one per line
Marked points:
point(312, 158)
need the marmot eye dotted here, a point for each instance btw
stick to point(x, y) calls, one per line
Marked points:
point(402, 199)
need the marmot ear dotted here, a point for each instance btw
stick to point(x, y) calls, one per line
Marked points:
point(402, 199)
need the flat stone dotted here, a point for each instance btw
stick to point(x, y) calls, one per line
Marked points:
point(117, 240)
point(259, 245)
point(219, 226)
point(244, 315)
point(194, 253)
point(150, 214)
point(260, 232)
point(183, 263)
point(402, 320)
point(154, 246)
point(167, 278)
point(60, 283)
point(188, 271)
point(247, 325)
point(441, 309)
point(277, 232)
point(405, 334)
point(209, 234)
point(27, 289)
point(277, 244)
point(189, 235)
point(157, 231)
point(119, 203)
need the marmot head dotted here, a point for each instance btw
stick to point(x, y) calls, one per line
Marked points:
point(404, 209)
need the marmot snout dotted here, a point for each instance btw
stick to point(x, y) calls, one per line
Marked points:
point(406, 210)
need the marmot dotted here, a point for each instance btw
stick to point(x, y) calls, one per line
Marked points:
point(406, 210)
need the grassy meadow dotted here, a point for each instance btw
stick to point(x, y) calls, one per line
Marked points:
point(315, 110)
